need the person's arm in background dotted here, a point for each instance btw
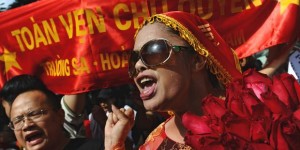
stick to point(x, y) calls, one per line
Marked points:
point(74, 107)
point(278, 55)
point(76, 103)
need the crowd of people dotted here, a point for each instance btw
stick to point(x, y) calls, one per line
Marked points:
point(179, 68)
point(185, 97)
point(75, 122)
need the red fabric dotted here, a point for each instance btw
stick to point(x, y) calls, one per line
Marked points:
point(258, 113)
point(78, 60)
point(88, 132)
point(155, 138)
point(276, 24)
point(217, 48)
point(247, 26)
point(82, 59)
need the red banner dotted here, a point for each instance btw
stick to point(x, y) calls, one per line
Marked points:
point(80, 45)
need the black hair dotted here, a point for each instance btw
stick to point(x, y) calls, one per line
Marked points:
point(251, 62)
point(24, 83)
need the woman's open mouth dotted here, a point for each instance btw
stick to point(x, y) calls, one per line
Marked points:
point(148, 86)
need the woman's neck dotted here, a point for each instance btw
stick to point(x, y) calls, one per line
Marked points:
point(175, 130)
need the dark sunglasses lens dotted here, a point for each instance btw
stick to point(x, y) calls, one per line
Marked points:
point(155, 52)
point(133, 58)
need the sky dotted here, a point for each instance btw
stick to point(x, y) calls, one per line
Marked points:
point(6, 2)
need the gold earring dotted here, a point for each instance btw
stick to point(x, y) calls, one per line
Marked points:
point(202, 64)
point(201, 61)
point(171, 113)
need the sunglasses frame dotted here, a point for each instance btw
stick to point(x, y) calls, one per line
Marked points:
point(137, 56)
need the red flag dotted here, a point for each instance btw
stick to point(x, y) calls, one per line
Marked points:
point(281, 25)
point(80, 45)
point(74, 46)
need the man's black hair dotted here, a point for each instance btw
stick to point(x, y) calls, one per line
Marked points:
point(24, 83)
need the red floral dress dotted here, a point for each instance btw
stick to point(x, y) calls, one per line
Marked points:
point(158, 140)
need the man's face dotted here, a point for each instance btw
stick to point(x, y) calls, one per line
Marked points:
point(42, 126)
point(105, 104)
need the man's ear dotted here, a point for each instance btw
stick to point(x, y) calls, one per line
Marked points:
point(199, 63)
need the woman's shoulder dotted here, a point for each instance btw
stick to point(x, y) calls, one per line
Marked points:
point(158, 139)
point(158, 132)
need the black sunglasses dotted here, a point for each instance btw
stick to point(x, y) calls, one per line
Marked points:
point(153, 53)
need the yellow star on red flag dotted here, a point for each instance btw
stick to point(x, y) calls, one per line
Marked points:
point(9, 60)
point(285, 3)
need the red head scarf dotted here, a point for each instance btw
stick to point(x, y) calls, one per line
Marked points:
point(221, 59)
